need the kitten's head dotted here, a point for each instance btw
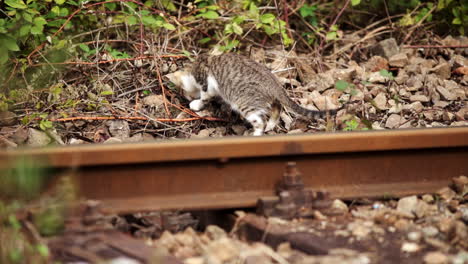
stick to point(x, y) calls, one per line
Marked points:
point(186, 82)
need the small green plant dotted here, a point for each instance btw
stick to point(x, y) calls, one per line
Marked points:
point(387, 74)
point(351, 125)
point(346, 87)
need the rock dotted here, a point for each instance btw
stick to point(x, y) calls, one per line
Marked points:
point(409, 247)
point(395, 107)
point(442, 70)
point(74, 141)
point(417, 106)
point(194, 260)
point(398, 60)
point(154, 100)
point(430, 231)
point(402, 77)
point(381, 101)
point(204, 133)
point(37, 138)
point(402, 224)
point(323, 81)
point(464, 214)
point(119, 129)
point(460, 183)
point(407, 205)
point(414, 236)
point(419, 98)
point(445, 93)
point(221, 251)
point(436, 258)
point(113, 140)
point(447, 116)
point(428, 198)
point(376, 77)
point(123, 260)
point(6, 143)
point(345, 74)
point(386, 48)
point(394, 121)
point(7, 118)
point(339, 206)
point(414, 83)
point(375, 64)
point(446, 225)
point(446, 193)
point(441, 104)
point(215, 232)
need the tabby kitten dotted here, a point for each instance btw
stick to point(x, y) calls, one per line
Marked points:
point(247, 86)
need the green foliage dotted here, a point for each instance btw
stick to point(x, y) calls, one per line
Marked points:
point(386, 74)
point(351, 125)
point(308, 13)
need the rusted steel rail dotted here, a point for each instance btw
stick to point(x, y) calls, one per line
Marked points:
point(235, 171)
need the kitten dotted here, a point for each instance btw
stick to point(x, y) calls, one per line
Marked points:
point(247, 86)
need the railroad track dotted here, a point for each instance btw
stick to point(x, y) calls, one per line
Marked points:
point(233, 172)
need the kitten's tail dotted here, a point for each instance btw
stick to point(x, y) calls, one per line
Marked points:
point(310, 114)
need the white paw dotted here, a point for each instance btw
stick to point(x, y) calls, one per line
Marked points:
point(270, 125)
point(196, 105)
point(258, 132)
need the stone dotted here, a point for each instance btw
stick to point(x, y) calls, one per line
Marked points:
point(238, 129)
point(430, 231)
point(402, 77)
point(428, 198)
point(446, 193)
point(381, 101)
point(113, 140)
point(345, 74)
point(402, 224)
point(376, 77)
point(460, 183)
point(375, 64)
point(398, 60)
point(154, 100)
point(37, 138)
point(447, 116)
point(205, 132)
point(417, 106)
point(75, 141)
point(339, 206)
point(414, 236)
point(221, 250)
point(446, 225)
point(119, 129)
point(7, 118)
point(409, 247)
point(386, 48)
point(419, 98)
point(214, 232)
point(441, 104)
point(436, 258)
point(442, 70)
point(407, 205)
point(446, 94)
point(394, 121)
point(6, 143)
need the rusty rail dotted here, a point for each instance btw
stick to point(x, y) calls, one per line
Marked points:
point(235, 171)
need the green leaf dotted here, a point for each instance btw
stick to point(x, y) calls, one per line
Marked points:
point(24, 30)
point(210, 14)
point(169, 26)
point(27, 17)
point(84, 47)
point(19, 4)
point(39, 21)
point(131, 20)
point(9, 43)
point(64, 11)
point(204, 40)
point(37, 30)
point(43, 250)
point(59, 2)
point(45, 124)
point(168, 5)
point(385, 73)
point(149, 20)
point(111, 6)
point(456, 21)
point(307, 10)
point(107, 93)
point(267, 18)
point(55, 10)
point(331, 35)
point(355, 2)
point(341, 85)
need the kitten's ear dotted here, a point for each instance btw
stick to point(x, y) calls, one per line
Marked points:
point(175, 78)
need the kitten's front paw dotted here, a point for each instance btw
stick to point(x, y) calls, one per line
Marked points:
point(196, 105)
